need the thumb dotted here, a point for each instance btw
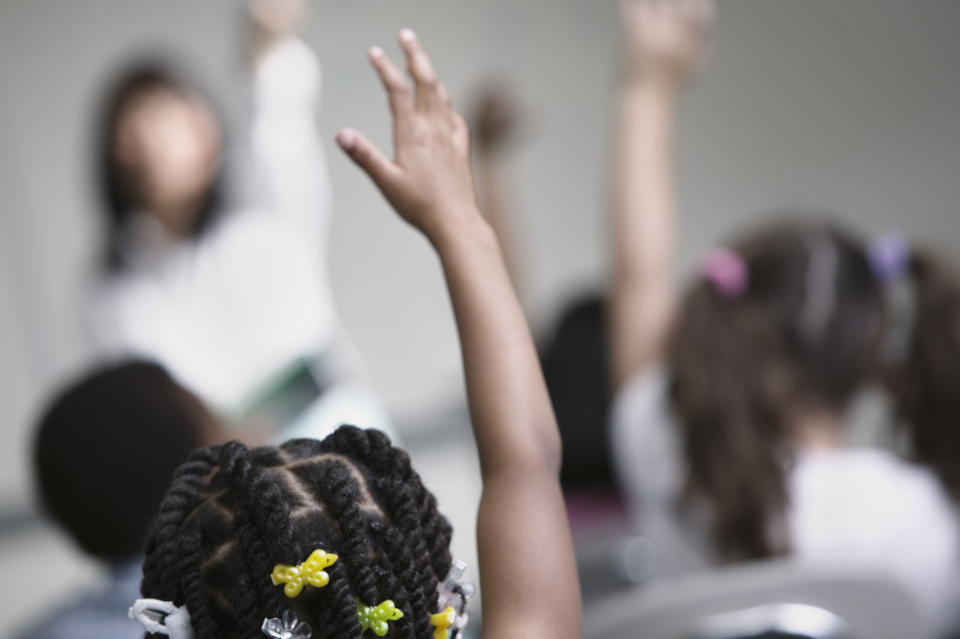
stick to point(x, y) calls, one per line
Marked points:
point(363, 152)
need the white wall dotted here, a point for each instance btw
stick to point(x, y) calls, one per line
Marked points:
point(844, 104)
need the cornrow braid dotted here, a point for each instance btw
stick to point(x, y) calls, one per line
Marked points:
point(232, 513)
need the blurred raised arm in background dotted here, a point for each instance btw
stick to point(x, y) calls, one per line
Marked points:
point(659, 53)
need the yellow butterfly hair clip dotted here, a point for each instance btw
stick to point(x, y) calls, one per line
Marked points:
point(376, 617)
point(442, 621)
point(309, 572)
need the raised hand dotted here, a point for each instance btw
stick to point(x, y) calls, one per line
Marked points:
point(664, 38)
point(428, 181)
point(495, 115)
point(663, 44)
point(521, 522)
point(276, 18)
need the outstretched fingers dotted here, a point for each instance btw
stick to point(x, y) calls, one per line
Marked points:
point(430, 93)
point(384, 173)
point(395, 82)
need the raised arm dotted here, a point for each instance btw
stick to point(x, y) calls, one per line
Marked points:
point(289, 165)
point(662, 39)
point(527, 567)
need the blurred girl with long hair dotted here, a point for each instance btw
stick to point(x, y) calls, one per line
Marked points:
point(728, 420)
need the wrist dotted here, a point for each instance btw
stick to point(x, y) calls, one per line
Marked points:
point(651, 84)
point(460, 229)
point(654, 103)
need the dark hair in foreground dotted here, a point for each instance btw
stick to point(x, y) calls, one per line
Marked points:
point(745, 366)
point(232, 513)
point(117, 188)
point(105, 450)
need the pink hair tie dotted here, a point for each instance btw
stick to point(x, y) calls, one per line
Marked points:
point(727, 272)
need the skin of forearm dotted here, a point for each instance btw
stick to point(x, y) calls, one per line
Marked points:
point(544, 541)
point(644, 207)
point(513, 419)
point(517, 440)
point(643, 226)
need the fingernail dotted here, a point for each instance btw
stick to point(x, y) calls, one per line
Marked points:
point(376, 52)
point(407, 35)
point(346, 140)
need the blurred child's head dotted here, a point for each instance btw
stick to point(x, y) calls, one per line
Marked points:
point(106, 448)
point(231, 514)
point(574, 362)
point(160, 150)
point(778, 333)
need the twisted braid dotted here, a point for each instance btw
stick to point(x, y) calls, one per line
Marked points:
point(250, 522)
point(373, 449)
point(406, 502)
point(220, 533)
point(341, 495)
point(437, 531)
point(423, 595)
point(191, 584)
point(182, 497)
point(342, 604)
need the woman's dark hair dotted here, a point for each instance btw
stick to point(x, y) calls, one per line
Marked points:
point(926, 381)
point(117, 190)
point(232, 513)
point(803, 336)
point(138, 425)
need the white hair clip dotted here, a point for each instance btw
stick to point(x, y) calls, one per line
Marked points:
point(454, 593)
point(162, 618)
point(287, 627)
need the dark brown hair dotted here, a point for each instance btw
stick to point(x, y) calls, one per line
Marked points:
point(926, 380)
point(743, 365)
point(117, 190)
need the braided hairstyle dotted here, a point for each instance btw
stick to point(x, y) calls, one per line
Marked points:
point(232, 513)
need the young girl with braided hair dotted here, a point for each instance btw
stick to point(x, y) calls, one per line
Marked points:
point(730, 400)
point(339, 538)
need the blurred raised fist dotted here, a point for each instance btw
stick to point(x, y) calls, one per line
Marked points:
point(495, 116)
point(664, 38)
point(277, 18)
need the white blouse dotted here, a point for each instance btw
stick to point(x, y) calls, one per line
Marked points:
point(234, 307)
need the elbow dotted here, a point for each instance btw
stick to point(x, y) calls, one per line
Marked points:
point(539, 453)
point(545, 453)
point(552, 450)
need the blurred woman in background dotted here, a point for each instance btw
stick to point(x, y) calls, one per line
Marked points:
point(225, 281)
point(728, 421)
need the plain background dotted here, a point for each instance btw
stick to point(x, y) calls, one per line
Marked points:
point(844, 105)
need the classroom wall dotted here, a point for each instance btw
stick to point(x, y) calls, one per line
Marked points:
point(849, 105)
